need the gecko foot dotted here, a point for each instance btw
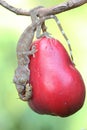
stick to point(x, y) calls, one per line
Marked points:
point(26, 94)
point(33, 50)
point(30, 52)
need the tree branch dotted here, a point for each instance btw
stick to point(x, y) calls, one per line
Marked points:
point(17, 11)
point(45, 11)
point(71, 4)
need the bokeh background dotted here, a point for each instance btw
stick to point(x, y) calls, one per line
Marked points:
point(15, 114)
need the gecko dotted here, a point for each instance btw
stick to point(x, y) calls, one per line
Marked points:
point(22, 72)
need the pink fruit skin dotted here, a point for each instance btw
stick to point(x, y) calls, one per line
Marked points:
point(58, 88)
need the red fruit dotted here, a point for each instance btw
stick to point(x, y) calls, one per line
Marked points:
point(58, 88)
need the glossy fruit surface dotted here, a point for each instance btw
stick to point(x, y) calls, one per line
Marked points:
point(58, 88)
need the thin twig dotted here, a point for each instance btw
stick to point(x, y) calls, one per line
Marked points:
point(17, 11)
point(70, 4)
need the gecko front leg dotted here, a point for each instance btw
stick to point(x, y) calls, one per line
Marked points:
point(21, 79)
point(26, 94)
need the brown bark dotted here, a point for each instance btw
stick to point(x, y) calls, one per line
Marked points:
point(70, 4)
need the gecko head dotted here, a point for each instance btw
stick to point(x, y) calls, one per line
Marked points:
point(21, 75)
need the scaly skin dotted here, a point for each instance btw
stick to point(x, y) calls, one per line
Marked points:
point(22, 72)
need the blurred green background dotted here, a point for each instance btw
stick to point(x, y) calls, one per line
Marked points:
point(15, 114)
